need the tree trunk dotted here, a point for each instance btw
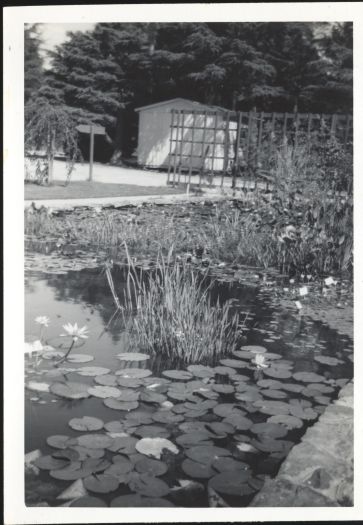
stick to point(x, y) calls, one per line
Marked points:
point(51, 149)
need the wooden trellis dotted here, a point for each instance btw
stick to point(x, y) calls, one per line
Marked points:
point(217, 142)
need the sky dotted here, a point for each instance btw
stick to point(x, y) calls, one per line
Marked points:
point(54, 34)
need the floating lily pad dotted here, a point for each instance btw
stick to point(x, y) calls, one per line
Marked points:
point(128, 382)
point(206, 453)
point(239, 422)
point(274, 394)
point(70, 473)
point(323, 389)
point(79, 358)
point(115, 404)
point(133, 356)
point(228, 409)
point(74, 491)
point(120, 467)
point(94, 441)
point(134, 373)
point(101, 483)
point(153, 467)
point(272, 408)
point(243, 354)
point(88, 501)
point(225, 371)
point(190, 440)
point(181, 375)
point(92, 371)
point(254, 349)
point(190, 427)
point(167, 417)
point(84, 452)
point(273, 356)
point(327, 360)
point(58, 441)
point(200, 405)
point(106, 380)
point(278, 373)
point(154, 447)
point(233, 483)
point(308, 377)
point(292, 387)
point(123, 445)
point(228, 464)
point(86, 423)
point(307, 414)
point(70, 390)
point(201, 371)
point(52, 354)
point(104, 392)
point(270, 383)
point(248, 396)
point(149, 396)
point(272, 430)
point(139, 417)
point(114, 426)
point(223, 389)
point(152, 431)
point(219, 429)
point(322, 400)
point(135, 500)
point(232, 363)
point(95, 464)
point(197, 470)
point(149, 486)
point(270, 445)
point(67, 454)
point(290, 422)
point(50, 463)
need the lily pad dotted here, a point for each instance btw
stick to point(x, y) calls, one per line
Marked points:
point(123, 445)
point(36, 386)
point(50, 463)
point(152, 431)
point(307, 414)
point(95, 441)
point(132, 356)
point(239, 422)
point(278, 373)
point(219, 430)
point(254, 349)
point(154, 447)
point(323, 389)
point(243, 354)
point(86, 423)
point(274, 394)
point(119, 468)
point(70, 390)
point(270, 383)
point(181, 375)
point(223, 389)
point(128, 382)
point(74, 491)
point(228, 409)
point(327, 360)
point(272, 430)
point(134, 373)
point(104, 392)
point(139, 417)
point(232, 363)
point(308, 377)
point(58, 441)
point(270, 445)
point(290, 422)
point(95, 464)
point(79, 358)
point(149, 396)
point(149, 486)
point(135, 500)
point(201, 371)
point(292, 387)
point(205, 453)
point(115, 404)
point(233, 483)
point(70, 473)
point(106, 380)
point(92, 371)
point(272, 408)
point(101, 483)
point(190, 440)
point(52, 354)
point(84, 452)
point(197, 470)
point(167, 417)
point(67, 454)
point(228, 464)
point(248, 396)
point(225, 371)
point(88, 501)
point(153, 467)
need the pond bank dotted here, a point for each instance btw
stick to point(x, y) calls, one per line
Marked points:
point(318, 472)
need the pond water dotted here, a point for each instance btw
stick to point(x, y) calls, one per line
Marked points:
point(218, 415)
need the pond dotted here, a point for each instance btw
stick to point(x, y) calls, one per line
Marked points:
point(144, 432)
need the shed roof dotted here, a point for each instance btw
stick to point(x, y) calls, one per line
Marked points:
point(179, 99)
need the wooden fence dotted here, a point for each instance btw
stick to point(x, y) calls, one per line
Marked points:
point(241, 144)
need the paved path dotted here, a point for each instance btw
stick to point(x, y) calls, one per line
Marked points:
point(318, 472)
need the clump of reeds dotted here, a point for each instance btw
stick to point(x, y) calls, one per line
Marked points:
point(169, 312)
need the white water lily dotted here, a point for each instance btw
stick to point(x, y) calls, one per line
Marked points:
point(260, 361)
point(75, 332)
point(36, 346)
point(42, 320)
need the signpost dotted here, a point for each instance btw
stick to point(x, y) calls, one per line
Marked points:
point(93, 130)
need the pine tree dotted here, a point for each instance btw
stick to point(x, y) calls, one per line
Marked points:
point(33, 63)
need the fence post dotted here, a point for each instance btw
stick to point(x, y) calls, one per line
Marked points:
point(202, 149)
point(191, 150)
point(236, 154)
point(176, 147)
point(181, 146)
point(171, 144)
point(226, 147)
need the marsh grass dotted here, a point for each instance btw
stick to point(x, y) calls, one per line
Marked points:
point(169, 312)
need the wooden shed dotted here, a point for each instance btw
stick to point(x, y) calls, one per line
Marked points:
point(155, 131)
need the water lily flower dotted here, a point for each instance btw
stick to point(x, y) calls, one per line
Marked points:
point(260, 361)
point(36, 346)
point(75, 332)
point(42, 320)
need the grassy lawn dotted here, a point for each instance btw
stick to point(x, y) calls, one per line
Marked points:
point(84, 190)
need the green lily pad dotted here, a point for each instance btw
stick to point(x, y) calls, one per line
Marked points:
point(132, 356)
point(323, 389)
point(95, 464)
point(115, 404)
point(152, 431)
point(86, 423)
point(149, 486)
point(84, 452)
point(167, 417)
point(128, 382)
point(290, 422)
point(79, 358)
point(278, 373)
point(50, 463)
point(307, 414)
point(70, 390)
point(135, 500)
point(134, 373)
point(52, 354)
point(70, 473)
point(228, 409)
point(154, 447)
point(254, 349)
point(123, 445)
point(74, 491)
point(101, 483)
point(121, 466)
point(243, 354)
point(36, 386)
point(274, 394)
point(205, 453)
point(94, 441)
point(190, 440)
point(88, 501)
point(223, 389)
point(149, 396)
point(197, 470)
point(308, 377)
point(225, 371)
point(232, 363)
point(218, 429)
point(153, 467)
point(292, 387)
point(272, 408)
point(271, 430)
point(270, 383)
point(233, 483)
point(180, 375)
point(104, 392)
point(58, 441)
point(239, 422)
point(270, 445)
point(92, 371)
point(327, 360)
point(201, 371)
point(228, 464)
point(106, 380)
point(67, 454)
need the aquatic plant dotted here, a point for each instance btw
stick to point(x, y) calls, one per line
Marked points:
point(170, 312)
point(43, 321)
point(75, 333)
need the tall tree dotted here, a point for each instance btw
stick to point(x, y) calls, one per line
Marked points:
point(33, 62)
